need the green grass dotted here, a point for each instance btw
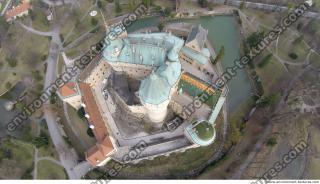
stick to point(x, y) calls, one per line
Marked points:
point(81, 126)
point(27, 49)
point(49, 170)
point(20, 161)
point(271, 74)
point(47, 151)
point(204, 131)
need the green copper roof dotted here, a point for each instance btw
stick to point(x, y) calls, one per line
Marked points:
point(170, 71)
point(146, 49)
point(156, 88)
point(196, 56)
point(159, 50)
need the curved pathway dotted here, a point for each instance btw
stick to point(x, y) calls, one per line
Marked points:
point(30, 29)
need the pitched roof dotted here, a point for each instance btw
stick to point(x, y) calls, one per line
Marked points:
point(99, 152)
point(100, 130)
point(24, 6)
point(104, 146)
point(68, 89)
point(199, 34)
point(156, 88)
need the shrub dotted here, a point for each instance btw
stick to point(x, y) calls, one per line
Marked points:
point(118, 7)
point(12, 62)
point(203, 3)
point(293, 56)
point(8, 85)
point(81, 112)
point(254, 39)
point(90, 132)
point(94, 21)
point(265, 61)
point(272, 141)
point(40, 141)
point(219, 56)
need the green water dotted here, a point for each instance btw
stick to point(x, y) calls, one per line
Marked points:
point(222, 31)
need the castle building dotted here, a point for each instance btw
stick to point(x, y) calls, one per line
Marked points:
point(141, 80)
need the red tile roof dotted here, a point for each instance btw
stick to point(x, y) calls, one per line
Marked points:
point(24, 6)
point(68, 89)
point(104, 146)
point(99, 152)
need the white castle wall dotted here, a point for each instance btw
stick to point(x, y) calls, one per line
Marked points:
point(132, 70)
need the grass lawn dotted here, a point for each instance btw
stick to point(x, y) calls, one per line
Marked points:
point(39, 18)
point(285, 47)
point(27, 49)
point(47, 151)
point(49, 170)
point(271, 74)
point(18, 162)
point(81, 126)
point(315, 60)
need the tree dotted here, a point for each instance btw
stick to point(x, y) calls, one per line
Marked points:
point(94, 21)
point(242, 4)
point(4, 25)
point(90, 132)
point(99, 4)
point(147, 3)
point(265, 61)
point(118, 7)
point(8, 85)
point(272, 141)
point(12, 62)
point(160, 26)
point(36, 75)
point(203, 3)
point(53, 97)
point(219, 56)
point(40, 141)
point(293, 55)
point(254, 39)
point(167, 12)
point(81, 113)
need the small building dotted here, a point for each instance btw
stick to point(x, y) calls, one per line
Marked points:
point(19, 11)
point(70, 94)
point(194, 51)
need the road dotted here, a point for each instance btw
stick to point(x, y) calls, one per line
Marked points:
point(68, 157)
point(263, 6)
point(6, 7)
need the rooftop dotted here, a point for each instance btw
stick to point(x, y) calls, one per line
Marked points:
point(199, 34)
point(156, 88)
point(104, 146)
point(68, 89)
point(144, 49)
point(24, 6)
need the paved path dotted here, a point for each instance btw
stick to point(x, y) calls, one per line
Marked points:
point(30, 29)
point(263, 6)
point(6, 7)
